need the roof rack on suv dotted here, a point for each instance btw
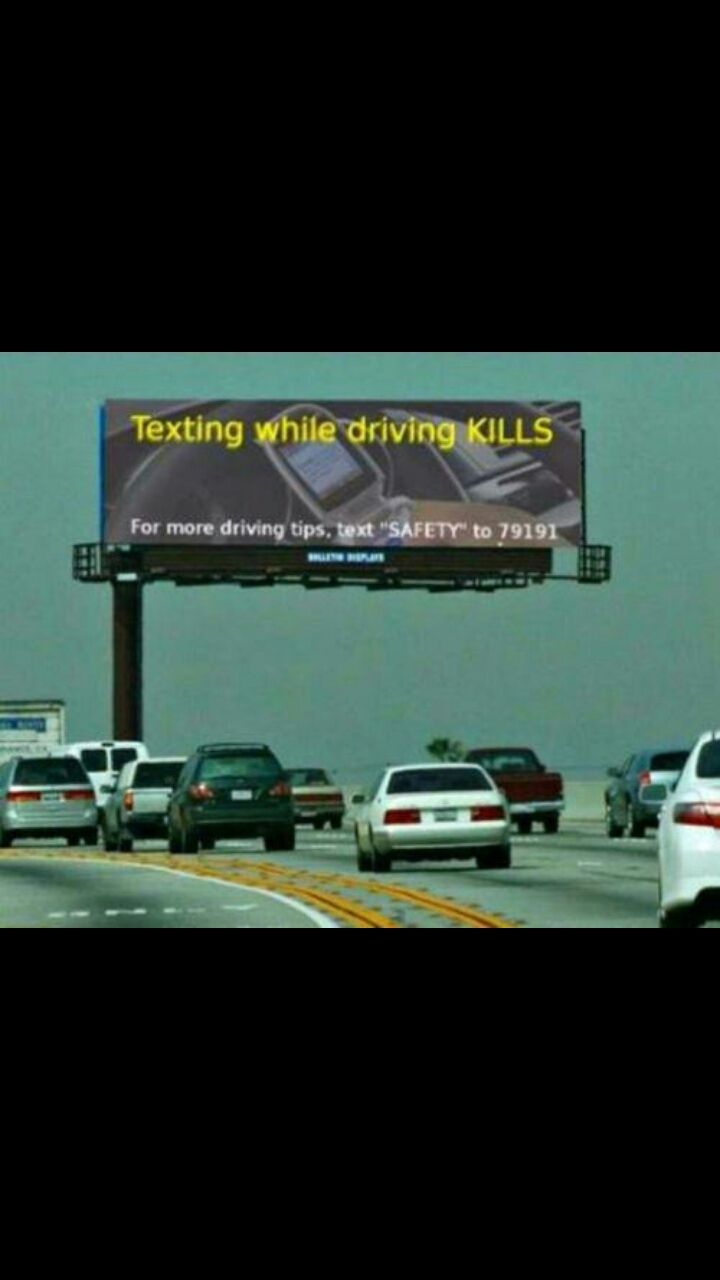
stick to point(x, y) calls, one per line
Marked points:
point(232, 746)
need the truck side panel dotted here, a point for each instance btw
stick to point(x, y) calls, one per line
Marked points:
point(31, 728)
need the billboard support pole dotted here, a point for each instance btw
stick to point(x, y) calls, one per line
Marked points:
point(127, 659)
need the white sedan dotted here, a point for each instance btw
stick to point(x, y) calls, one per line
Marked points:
point(433, 813)
point(690, 841)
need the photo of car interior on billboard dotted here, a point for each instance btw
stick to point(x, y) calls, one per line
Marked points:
point(341, 473)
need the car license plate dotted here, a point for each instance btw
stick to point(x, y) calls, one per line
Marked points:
point(446, 815)
point(53, 797)
point(242, 795)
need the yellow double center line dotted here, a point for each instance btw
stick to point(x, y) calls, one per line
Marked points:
point(318, 889)
point(296, 881)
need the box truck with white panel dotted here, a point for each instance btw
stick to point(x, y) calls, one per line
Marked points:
point(31, 728)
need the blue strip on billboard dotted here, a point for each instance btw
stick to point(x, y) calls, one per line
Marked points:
point(343, 474)
point(14, 724)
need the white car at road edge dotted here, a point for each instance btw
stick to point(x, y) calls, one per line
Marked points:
point(689, 841)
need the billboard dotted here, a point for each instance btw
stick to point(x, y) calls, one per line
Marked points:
point(336, 475)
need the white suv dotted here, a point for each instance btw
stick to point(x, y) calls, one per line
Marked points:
point(103, 761)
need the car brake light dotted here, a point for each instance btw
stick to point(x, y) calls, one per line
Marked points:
point(488, 813)
point(645, 780)
point(87, 797)
point(697, 815)
point(129, 801)
point(282, 791)
point(24, 797)
point(201, 792)
point(402, 818)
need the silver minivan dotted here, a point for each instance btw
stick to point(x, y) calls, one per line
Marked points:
point(45, 797)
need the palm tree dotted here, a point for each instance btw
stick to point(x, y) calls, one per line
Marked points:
point(445, 750)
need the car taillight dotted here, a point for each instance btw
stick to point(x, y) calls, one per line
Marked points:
point(645, 780)
point(488, 813)
point(87, 797)
point(200, 792)
point(402, 818)
point(697, 815)
point(129, 801)
point(24, 797)
point(282, 791)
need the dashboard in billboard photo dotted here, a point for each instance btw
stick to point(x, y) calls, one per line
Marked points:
point(342, 474)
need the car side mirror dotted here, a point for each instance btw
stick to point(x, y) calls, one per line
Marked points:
point(108, 790)
point(359, 798)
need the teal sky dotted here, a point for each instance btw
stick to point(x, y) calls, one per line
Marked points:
point(350, 679)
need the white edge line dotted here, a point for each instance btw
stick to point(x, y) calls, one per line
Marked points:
point(323, 922)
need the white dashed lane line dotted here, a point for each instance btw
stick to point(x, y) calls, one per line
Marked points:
point(113, 913)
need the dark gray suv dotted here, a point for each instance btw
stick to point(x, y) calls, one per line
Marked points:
point(231, 791)
point(625, 812)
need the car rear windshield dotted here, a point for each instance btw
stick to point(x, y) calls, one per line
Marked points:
point(50, 773)
point(506, 761)
point(671, 762)
point(157, 775)
point(309, 778)
point(709, 761)
point(239, 765)
point(95, 761)
point(425, 781)
point(122, 756)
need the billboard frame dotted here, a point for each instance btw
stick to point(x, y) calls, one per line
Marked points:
point(405, 569)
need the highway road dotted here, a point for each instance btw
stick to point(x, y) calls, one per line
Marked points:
point(577, 880)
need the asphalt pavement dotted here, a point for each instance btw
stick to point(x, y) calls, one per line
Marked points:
point(577, 880)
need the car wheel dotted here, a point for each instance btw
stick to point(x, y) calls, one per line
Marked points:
point(525, 826)
point(635, 828)
point(680, 918)
point(5, 839)
point(208, 845)
point(614, 830)
point(281, 841)
point(190, 842)
point(125, 844)
point(364, 860)
point(174, 841)
point(499, 859)
point(381, 862)
point(319, 824)
point(336, 824)
point(552, 824)
point(91, 838)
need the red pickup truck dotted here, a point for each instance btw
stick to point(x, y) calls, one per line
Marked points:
point(534, 794)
